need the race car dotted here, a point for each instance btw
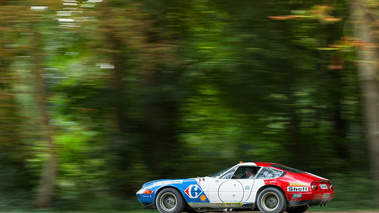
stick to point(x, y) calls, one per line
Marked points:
point(267, 187)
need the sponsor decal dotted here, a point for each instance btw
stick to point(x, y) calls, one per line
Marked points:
point(326, 195)
point(297, 184)
point(203, 198)
point(297, 195)
point(297, 189)
point(193, 191)
point(167, 182)
point(247, 188)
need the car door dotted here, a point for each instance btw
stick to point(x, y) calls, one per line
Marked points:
point(227, 188)
point(232, 187)
point(247, 181)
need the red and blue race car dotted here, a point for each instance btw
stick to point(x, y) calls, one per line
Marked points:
point(267, 187)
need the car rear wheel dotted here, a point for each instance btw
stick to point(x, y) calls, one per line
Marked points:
point(271, 200)
point(169, 200)
point(297, 209)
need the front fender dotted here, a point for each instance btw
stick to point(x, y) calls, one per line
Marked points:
point(190, 190)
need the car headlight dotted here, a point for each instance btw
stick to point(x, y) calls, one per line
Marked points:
point(145, 191)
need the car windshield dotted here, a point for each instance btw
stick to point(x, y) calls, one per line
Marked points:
point(286, 168)
point(219, 173)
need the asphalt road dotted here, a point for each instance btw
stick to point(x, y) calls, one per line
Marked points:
point(322, 212)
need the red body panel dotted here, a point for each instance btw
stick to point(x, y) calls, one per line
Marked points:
point(298, 190)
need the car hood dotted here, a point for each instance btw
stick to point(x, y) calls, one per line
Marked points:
point(152, 182)
point(167, 182)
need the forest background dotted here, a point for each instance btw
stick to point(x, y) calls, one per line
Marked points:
point(99, 96)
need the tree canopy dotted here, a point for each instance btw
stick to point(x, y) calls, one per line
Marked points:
point(99, 96)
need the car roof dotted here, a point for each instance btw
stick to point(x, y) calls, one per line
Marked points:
point(265, 164)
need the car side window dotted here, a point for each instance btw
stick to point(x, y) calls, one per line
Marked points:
point(229, 174)
point(268, 173)
point(245, 172)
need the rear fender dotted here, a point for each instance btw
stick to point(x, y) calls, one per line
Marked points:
point(270, 186)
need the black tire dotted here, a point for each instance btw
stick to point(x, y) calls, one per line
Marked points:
point(271, 200)
point(297, 209)
point(169, 200)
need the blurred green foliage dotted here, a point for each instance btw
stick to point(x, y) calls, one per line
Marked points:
point(140, 90)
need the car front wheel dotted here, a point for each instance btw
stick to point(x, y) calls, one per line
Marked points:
point(169, 200)
point(271, 200)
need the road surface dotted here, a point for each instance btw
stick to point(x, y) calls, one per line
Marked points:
point(321, 212)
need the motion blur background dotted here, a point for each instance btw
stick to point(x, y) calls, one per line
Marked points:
point(99, 96)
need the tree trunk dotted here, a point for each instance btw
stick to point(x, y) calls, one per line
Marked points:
point(369, 84)
point(115, 44)
point(159, 123)
point(340, 144)
point(48, 171)
point(160, 111)
point(46, 185)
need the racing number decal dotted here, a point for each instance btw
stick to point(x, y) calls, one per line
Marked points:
point(193, 191)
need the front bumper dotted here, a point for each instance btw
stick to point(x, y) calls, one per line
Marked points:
point(147, 200)
point(149, 206)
